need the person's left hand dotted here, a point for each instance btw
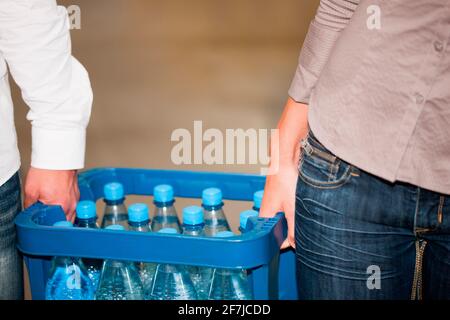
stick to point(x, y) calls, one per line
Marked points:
point(53, 187)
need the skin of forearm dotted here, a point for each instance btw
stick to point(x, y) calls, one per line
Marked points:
point(292, 128)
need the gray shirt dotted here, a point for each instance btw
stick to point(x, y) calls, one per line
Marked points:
point(376, 75)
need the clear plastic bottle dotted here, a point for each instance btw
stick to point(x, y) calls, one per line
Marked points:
point(119, 280)
point(257, 199)
point(193, 225)
point(86, 217)
point(165, 214)
point(138, 219)
point(215, 220)
point(68, 279)
point(172, 282)
point(229, 284)
point(115, 209)
point(244, 216)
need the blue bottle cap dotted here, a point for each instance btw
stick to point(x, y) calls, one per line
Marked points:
point(64, 224)
point(113, 191)
point(86, 209)
point(212, 197)
point(193, 215)
point(243, 217)
point(117, 227)
point(168, 230)
point(138, 212)
point(224, 234)
point(163, 193)
point(257, 198)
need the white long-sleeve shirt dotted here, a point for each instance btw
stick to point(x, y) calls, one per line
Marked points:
point(35, 45)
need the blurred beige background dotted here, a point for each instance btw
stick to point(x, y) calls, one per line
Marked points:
point(158, 65)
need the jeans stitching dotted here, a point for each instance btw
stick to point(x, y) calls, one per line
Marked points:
point(308, 150)
point(326, 184)
point(440, 215)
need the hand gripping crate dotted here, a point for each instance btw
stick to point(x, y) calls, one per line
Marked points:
point(272, 274)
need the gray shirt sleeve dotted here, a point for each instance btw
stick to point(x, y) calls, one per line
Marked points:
point(331, 18)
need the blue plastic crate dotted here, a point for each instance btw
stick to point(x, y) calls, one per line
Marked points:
point(272, 273)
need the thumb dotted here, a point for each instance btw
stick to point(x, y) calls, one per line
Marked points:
point(269, 207)
point(290, 219)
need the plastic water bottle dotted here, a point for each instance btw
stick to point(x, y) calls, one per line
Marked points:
point(229, 284)
point(115, 209)
point(165, 213)
point(215, 220)
point(87, 218)
point(193, 224)
point(244, 216)
point(172, 282)
point(193, 221)
point(119, 280)
point(257, 199)
point(68, 278)
point(86, 215)
point(138, 219)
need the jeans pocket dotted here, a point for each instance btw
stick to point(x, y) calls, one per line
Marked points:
point(320, 168)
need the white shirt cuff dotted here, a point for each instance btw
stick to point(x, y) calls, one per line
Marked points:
point(58, 149)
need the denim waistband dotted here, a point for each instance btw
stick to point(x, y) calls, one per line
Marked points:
point(312, 146)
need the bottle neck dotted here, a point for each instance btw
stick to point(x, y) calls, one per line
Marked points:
point(86, 223)
point(117, 264)
point(213, 207)
point(140, 226)
point(193, 230)
point(114, 202)
point(226, 272)
point(164, 204)
point(62, 261)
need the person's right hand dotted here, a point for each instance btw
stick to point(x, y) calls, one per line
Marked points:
point(279, 195)
point(53, 187)
point(280, 189)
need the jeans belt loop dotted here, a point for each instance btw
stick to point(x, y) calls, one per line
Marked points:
point(307, 147)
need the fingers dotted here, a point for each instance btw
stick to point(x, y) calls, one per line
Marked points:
point(31, 197)
point(285, 244)
point(271, 202)
point(53, 187)
point(290, 218)
point(269, 210)
point(70, 213)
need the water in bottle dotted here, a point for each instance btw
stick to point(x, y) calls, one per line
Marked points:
point(257, 199)
point(119, 280)
point(229, 284)
point(138, 219)
point(115, 209)
point(165, 214)
point(68, 278)
point(244, 216)
point(215, 220)
point(193, 225)
point(172, 282)
point(86, 217)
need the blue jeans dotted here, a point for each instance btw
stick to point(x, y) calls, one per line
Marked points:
point(361, 237)
point(11, 274)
